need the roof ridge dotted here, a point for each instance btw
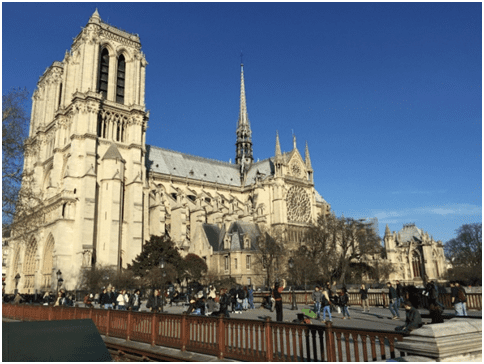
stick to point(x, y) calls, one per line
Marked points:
point(196, 156)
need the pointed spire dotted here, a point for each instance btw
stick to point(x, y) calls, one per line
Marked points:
point(387, 231)
point(307, 159)
point(244, 134)
point(243, 116)
point(294, 141)
point(278, 146)
point(95, 18)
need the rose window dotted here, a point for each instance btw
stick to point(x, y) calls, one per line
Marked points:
point(298, 205)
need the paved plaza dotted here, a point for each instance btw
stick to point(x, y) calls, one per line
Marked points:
point(377, 319)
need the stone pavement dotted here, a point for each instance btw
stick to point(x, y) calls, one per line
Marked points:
point(377, 319)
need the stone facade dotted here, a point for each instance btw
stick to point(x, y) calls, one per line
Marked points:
point(414, 255)
point(104, 191)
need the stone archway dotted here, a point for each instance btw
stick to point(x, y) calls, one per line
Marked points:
point(48, 264)
point(29, 265)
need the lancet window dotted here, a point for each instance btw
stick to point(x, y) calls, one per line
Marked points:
point(120, 79)
point(104, 73)
point(29, 265)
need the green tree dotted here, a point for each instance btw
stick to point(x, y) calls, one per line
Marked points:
point(195, 266)
point(156, 249)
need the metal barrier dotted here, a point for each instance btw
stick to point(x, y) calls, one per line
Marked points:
point(474, 300)
point(248, 340)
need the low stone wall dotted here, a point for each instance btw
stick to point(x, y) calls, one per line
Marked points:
point(459, 339)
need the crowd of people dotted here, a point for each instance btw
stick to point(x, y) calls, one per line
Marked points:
point(209, 301)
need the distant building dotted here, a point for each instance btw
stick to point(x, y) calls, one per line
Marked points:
point(414, 255)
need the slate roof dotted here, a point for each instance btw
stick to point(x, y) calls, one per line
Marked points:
point(179, 164)
point(410, 233)
point(237, 230)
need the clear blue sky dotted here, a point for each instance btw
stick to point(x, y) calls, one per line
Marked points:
point(387, 95)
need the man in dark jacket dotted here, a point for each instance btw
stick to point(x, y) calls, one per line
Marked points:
point(105, 300)
point(459, 299)
point(413, 319)
point(392, 295)
point(135, 301)
point(154, 302)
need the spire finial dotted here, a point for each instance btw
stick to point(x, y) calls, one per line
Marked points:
point(278, 145)
point(307, 159)
point(294, 140)
point(95, 17)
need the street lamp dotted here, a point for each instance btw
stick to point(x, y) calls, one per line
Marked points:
point(294, 303)
point(163, 273)
point(17, 278)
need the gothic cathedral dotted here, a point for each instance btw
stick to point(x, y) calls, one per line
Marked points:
point(105, 191)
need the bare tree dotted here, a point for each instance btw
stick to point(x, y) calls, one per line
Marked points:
point(270, 259)
point(465, 254)
point(21, 200)
point(14, 132)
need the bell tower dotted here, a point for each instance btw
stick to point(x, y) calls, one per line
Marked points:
point(86, 150)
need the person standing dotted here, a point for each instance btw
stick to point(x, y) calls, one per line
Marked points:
point(326, 303)
point(224, 302)
point(400, 294)
point(392, 295)
point(154, 302)
point(317, 297)
point(250, 295)
point(104, 300)
point(459, 299)
point(112, 297)
point(122, 300)
point(135, 301)
point(278, 298)
point(364, 297)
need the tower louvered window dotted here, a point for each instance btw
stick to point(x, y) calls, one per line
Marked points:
point(104, 73)
point(120, 80)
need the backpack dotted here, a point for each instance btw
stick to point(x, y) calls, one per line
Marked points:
point(461, 295)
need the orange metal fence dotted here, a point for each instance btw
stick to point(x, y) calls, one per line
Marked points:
point(248, 340)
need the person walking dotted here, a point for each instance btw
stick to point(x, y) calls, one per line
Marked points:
point(459, 299)
point(317, 296)
point(393, 305)
point(364, 297)
point(112, 297)
point(278, 298)
point(344, 303)
point(224, 302)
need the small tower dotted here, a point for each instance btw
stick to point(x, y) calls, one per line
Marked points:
point(243, 154)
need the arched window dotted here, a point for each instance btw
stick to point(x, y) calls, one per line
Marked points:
point(120, 80)
point(104, 73)
point(416, 265)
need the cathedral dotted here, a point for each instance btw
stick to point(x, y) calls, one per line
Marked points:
point(105, 191)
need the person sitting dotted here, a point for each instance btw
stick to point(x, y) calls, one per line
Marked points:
point(413, 319)
point(211, 306)
point(435, 312)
